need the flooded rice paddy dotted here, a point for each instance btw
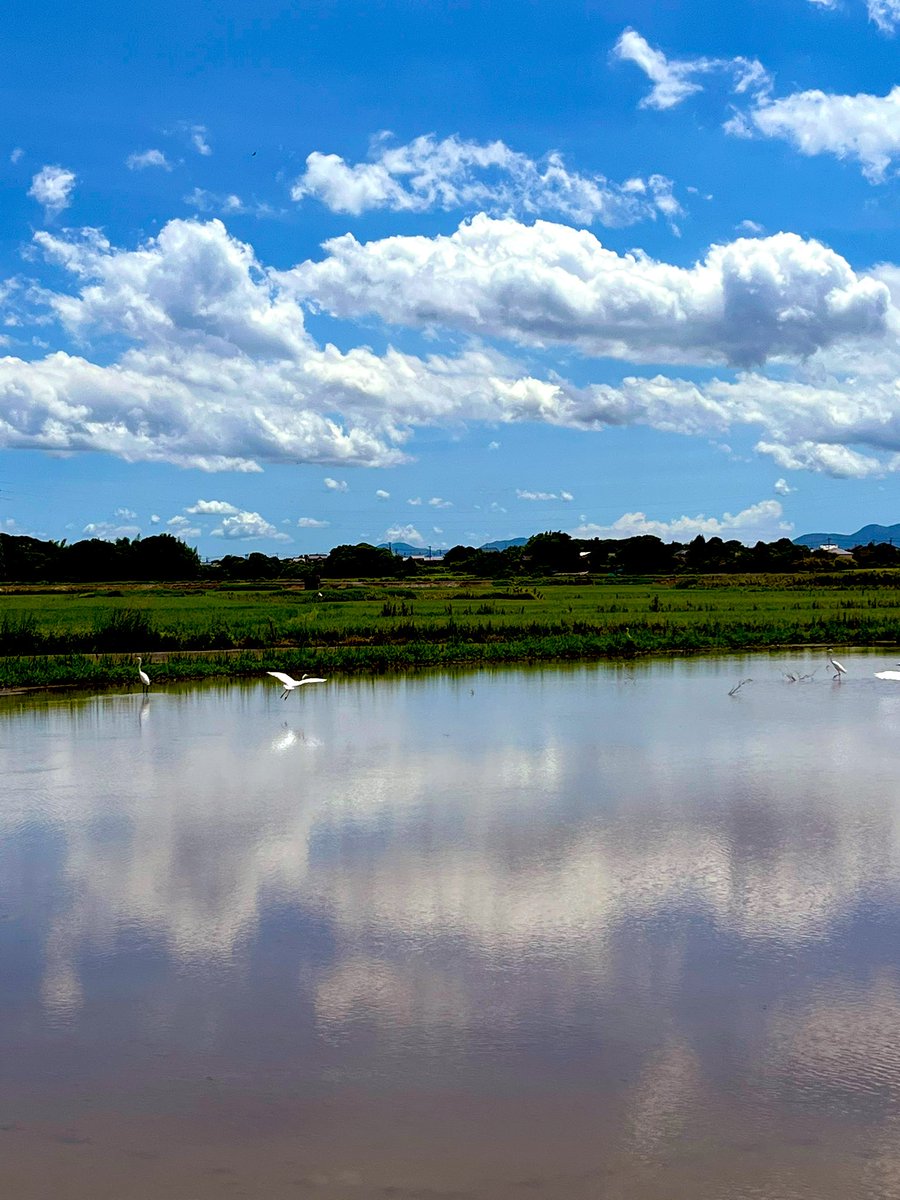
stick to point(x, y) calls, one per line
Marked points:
point(563, 933)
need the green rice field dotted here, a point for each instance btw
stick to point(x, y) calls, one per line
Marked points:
point(90, 635)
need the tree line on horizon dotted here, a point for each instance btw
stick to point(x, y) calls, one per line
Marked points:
point(163, 557)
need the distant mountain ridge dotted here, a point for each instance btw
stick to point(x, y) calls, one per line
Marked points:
point(404, 549)
point(504, 545)
point(846, 541)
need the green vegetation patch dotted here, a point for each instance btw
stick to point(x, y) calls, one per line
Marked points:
point(91, 636)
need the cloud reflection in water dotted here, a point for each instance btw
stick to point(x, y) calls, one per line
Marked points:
point(584, 880)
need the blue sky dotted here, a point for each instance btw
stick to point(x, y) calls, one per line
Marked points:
point(280, 276)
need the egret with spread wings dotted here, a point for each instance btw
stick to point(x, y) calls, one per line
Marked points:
point(289, 684)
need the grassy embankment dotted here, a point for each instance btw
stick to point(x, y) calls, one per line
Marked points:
point(89, 635)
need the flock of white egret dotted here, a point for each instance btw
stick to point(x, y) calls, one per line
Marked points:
point(286, 681)
point(839, 671)
point(289, 684)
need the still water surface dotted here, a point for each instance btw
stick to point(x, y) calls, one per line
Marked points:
point(560, 933)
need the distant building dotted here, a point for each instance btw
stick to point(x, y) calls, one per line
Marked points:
point(836, 551)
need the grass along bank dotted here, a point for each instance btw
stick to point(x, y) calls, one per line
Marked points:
point(88, 636)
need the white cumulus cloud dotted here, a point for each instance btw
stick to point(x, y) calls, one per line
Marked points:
point(452, 173)
point(52, 187)
point(747, 301)
point(216, 371)
point(885, 14)
point(311, 523)
point(226, 203)
point(199, 139)
point(147, 158)
point(809, 426)
point(825, 458)
point(181, 527)
point(248, 526)
point(864, 128)
point(215, 507)
point(110, 530)
point(759, 522)
point(674, 79)
point(381, 494)
point(192, 285)
point(404, 533)
point(523, 494)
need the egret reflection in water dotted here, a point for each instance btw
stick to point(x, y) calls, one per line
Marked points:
point(290, 738)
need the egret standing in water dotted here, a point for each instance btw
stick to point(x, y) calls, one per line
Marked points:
point(143, 676)
point(839, 668)
point(289, 684)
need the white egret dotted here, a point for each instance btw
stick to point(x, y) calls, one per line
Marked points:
point(289, 684)
point(143, 676)
point(887, 674)
point(839, 668)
